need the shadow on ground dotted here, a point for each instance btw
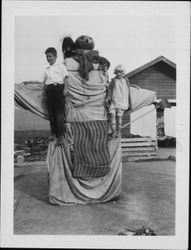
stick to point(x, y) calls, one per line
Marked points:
point(147, 199)
point(34, 185)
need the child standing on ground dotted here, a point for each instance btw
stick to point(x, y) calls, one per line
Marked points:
point(119, 98)
point(55, 77)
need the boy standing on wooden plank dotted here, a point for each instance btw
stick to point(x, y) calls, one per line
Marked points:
point(55, 77)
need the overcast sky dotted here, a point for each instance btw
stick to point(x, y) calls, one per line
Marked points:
point(132, 40)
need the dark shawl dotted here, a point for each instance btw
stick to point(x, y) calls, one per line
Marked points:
point(87, 59)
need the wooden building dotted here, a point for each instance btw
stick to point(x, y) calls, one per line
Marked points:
point(158, 75)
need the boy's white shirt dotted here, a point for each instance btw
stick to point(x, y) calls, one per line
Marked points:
point(54, 73)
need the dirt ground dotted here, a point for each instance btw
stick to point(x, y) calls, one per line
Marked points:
point(147, 199)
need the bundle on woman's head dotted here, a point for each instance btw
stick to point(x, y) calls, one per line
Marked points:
point(84, 42)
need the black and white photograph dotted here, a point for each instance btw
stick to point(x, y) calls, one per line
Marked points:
point(95, 124)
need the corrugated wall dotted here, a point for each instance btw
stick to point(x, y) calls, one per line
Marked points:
point(159, 79)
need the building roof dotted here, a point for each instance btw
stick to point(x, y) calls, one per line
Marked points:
point(151, 63)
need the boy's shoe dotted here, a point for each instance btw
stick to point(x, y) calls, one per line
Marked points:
point(60, 140)
point(52, 137)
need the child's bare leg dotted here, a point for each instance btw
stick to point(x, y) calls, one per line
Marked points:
point(119, 122)
point(113, 122)
point(119, 125)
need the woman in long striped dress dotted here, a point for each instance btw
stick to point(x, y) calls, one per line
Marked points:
point(87, 168)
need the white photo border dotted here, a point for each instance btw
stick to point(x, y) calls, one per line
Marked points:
point(181, 10)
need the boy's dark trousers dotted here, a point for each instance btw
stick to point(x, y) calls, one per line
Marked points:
point(55, 102)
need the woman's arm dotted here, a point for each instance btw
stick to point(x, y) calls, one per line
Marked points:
point(65, 90)
point(109, 93)
point(110, 89)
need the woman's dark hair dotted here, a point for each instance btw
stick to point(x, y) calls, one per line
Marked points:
point(68, 44)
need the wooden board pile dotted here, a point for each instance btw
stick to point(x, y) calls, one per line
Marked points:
point(139, 148)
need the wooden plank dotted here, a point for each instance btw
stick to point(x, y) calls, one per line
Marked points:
point(140, 144)
point(138, 154)
point(131, 154)
point(137, 139)
point(141, 149)
point(131, 159)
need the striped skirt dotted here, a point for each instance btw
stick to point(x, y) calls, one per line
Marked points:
point(90, 149)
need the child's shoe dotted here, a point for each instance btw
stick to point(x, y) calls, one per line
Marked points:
point(118, 134)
